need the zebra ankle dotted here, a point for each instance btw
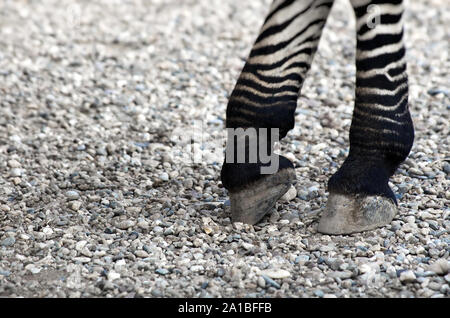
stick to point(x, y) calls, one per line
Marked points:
point(236, 176)
point(363, 176)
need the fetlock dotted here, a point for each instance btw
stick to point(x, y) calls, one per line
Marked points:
point(236, 176)
point(363, 176)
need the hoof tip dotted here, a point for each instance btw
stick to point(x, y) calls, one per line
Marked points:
point(251, 204)
point(346, 214)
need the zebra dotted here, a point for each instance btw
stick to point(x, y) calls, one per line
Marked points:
point(265, 96)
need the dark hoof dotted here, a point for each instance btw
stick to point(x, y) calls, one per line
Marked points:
point(252, 203)
point(345, 214)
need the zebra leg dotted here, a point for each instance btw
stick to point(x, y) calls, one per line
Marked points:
point(265, 96)
point(381, 133)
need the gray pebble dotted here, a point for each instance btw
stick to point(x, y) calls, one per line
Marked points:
point(301, 259)
point(9, 241)
point(271, 282)
point(319, 293)
point(446, 167)
point(16, 172)
point(261, 282)
point(72, 195)
point(440, 267)
point(162, 271)
point(407, 276)
point(164, 176)
point(158, 230)
point(123, 225)
point(13, 163)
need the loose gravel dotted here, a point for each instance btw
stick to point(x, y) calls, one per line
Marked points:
point(103, 194)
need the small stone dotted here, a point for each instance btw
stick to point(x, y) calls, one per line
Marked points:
point(162, 271)
point(209, 226)
point(313, 192)
point(407, 276)
point(108, 231)
point(446, 168)
point(133, 235)
point(143, 224)
point(197, 268)
point(101, 151)
point(420, 250)
point(164, 176)
point(275, 273)
point(107, 285)
point(113, 276)
point(158, 230)
point(72, 195)
point(410, 219)
point(437, 91)
point(347, 283)
point(9, 241)
point(75, 205)
point(301, 259)
point(326, 248)
point(302, 194)
point(123, 225)
point(47, 230)
point(247, 246)
point(261, 282)
point(79, 246)
point(415, 171)
point(188, 183)
point(447, 278)
point(120, 265)
point(434, 286)
point(15, 138)
point(433, 224)
point(33, 269)
point(341, 274)
point(168, 231)
point(13, 163)
point(319, 293)
point(16, 172)
point(365, 268)
point(289, 195)
point(111, 148)
point(141, 253)
point(82, 259)
point(425, 215)
point(271, 282)
point(440, 267)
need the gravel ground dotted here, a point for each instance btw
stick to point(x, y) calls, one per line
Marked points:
point(101, 194)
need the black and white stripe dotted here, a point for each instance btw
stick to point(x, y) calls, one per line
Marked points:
point(381, 126)
point(266, 93)
point(267, 90)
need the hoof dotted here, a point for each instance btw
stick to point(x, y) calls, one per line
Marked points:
point(252, 203)
point(345, 214)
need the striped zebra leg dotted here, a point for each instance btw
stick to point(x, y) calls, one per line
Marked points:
point(265, 96)
point(381, 133)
